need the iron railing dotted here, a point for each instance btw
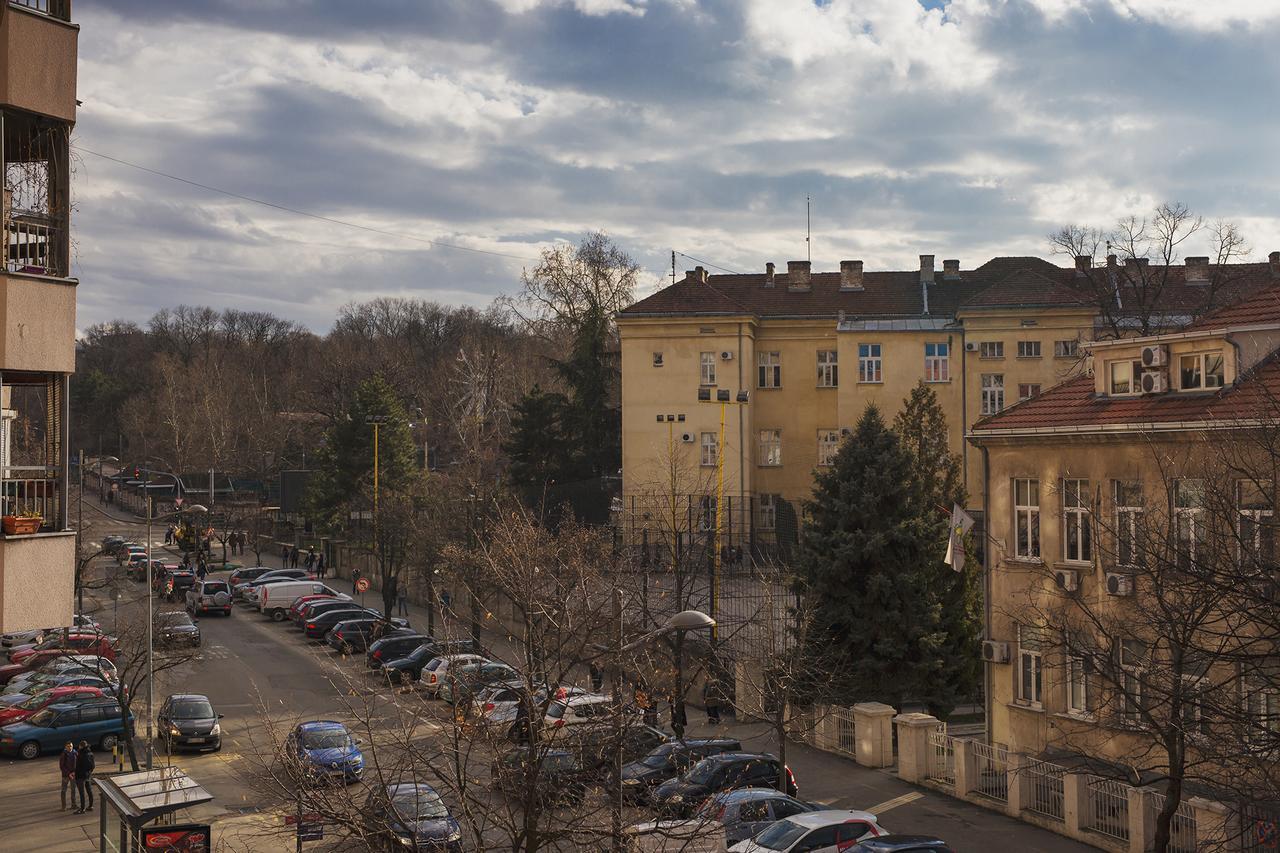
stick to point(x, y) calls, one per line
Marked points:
point(28, 490)
point(990, 772)
point(31, 244)
point(1042, 788)
point(60, 9)
point(1108, 809)
point(1182, 829)
point(942, 757)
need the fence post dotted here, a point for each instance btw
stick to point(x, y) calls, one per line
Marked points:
point(1075, 802)
point(1016, 761)
point(873, 728)
point(913, 745)
point(964, 767)
point(1213, 821)
point(1140, 826)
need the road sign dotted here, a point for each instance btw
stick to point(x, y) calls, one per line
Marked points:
point(362, 585)
point(310, 827)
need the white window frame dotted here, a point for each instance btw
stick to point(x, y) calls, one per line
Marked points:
point(1256, 523)
point(1026, 516)
point(870, 364)
point(1200, 367)
point(1029, 672)
point(710, 449)
point(1027, 390)
point(937, 364)
point(1077, 684)
point(828, 368)
point(1128, 520)
point(706, 368)
point(1188, 517)
point(1028, 349)
point(1133, 669)
point(1077, 523)
point(767, 512)
point(1066, 349)
point(769, 369)
point(991, 349)
point(769, 445)
point(1130, 373)
point(992, 393)
point(828, 447)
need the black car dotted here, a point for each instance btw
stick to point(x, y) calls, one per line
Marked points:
point(408, 669)
point(902, 844)
point(188, 720)
point(596, 745)
point(355, 634)
point(315, 627)
point(176, 628)
point(321, 606)
point(177, 582)
point(411, 816)
point(393, 648)
point(558, 777)
point(720, 773)
point(668, 761)
point(245, 575)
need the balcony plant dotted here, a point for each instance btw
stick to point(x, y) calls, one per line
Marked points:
point(26, 522)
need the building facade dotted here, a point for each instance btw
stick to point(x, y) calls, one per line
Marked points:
point(38, 49)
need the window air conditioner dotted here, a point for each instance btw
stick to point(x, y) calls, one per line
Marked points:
point(1154, 382)
point(1067, 580)
point(994, 651)
point(687, 438)
point(971, 346)
point(1119, 583)
point(1156, 355)
point(727, 355)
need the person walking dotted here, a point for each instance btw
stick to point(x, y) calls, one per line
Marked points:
point(284, 556)
point(355, 579)
point(597, 677)
point(402, 599)
point(293, 557)
point(711, 701)
point(84, 777)
point(320, 566)
point(679, 720)
point(310, 561)
point(67, 770)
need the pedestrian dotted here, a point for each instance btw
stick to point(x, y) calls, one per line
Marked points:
point(355, 579)
point(168, 535)
point(67, 770)
point(201, 570)
point(84, 777)
point(320, 566)
point(402, 599)
point(597, 677)
point(310, 561)
point(679, 720)
point(284, 556)
point(711, 701)
point(293, 557)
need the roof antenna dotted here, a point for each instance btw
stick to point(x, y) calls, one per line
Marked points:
point(808, 230)
point(673, 266)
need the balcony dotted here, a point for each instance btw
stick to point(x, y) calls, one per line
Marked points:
point(38, 57)
point(59, 9)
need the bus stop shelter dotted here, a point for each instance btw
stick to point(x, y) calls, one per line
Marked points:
point(130, 802)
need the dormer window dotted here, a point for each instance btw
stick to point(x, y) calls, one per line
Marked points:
point(1123, 377)
point(1201, 370)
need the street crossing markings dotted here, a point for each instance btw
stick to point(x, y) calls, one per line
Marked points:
point(909, 797)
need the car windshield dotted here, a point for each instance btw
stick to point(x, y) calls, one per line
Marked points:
point(175, 618)
point(421, 652)
point(215, 588)
point(659, 758)
point(42, 718)
point(192, 709)
point(779, 836)
point(418, 804)
point(36, 702)
point(701, 772)
point(325, 739)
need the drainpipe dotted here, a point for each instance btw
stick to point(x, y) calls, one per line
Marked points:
point(988, 702)
point(1235, 345)
point(742, 444)
point(964, 408)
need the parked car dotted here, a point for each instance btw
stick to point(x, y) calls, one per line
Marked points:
point(355, 634)
point(506, 707)
point(34, 662)
point(596, 745)
point(77, 644)
point(321, 606)
point(393, 648)
point(463, 681)
point(15, 695)
point(274, 599)
point(435, 672)
point(720, 773)
point(558, 777)
point(669, 761)
point(409, 668)
point(411, 816)
point(243, 588)
point(129, 552)
point(579, 710)
point(902, 844)
point(79, 625)
point(685, 836)
point(65, 665)
point(174, 583)
point(324, 750)
point(188, 720)
point(177, 628)
point(316, 627)
point(242, 575)
point(824, 831)
point(137, 570)
point(209, 597)
point(300, 603)
point(97, 722)
point(53, 696)
point(110, 542)
point(746, 811)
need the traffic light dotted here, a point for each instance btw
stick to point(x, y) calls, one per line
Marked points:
point(137, 473)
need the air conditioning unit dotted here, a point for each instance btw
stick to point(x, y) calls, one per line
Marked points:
point(994, 651)
point(687, 438)
point(845, 431)
point(1119, 583)
point(971, 346)
point(727, 355)
point(1067, 580)
point(1156, 355)
point(1154, 382)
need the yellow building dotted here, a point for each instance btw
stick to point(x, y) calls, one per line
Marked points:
point(37, 307)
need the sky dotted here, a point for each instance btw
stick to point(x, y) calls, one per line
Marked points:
point(959, 128)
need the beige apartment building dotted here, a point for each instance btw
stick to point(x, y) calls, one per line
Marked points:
point(38, 44)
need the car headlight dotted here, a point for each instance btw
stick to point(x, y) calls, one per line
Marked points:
point(676, 798)
point(454, 836)
point(631, 781)
point(406, 840)
point(174, 730)
point(216, 730)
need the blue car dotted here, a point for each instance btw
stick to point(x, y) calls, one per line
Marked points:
point(97, 722)
point(323, 750)
point(412, 815)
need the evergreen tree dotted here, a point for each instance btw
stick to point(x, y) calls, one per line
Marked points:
point(590, 419)
point(868, 555)
point(538, 449)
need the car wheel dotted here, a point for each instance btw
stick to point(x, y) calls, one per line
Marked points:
point(108, 742)
point(278, 615)
point(29, 750)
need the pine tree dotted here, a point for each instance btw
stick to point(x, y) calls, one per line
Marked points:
point(590, 418)
point(538, 449)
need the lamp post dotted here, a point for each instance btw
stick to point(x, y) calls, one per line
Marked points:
point(723, 398)
point(102, 491)
point(151, 672)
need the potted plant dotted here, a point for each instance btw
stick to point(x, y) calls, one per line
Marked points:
point(26, 522)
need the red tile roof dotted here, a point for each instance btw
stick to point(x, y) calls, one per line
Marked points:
point(1263, 307)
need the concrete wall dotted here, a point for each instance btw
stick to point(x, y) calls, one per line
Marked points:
point(38, 321)
point(37, 580)
point(38, 63)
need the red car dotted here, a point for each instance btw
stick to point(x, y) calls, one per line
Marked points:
point(303, 600)
point(35, 660)
point(76, 644)
point(18, 713)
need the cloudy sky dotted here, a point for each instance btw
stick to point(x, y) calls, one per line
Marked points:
point(965, 129)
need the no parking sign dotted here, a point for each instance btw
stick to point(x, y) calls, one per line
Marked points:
point(362, 585)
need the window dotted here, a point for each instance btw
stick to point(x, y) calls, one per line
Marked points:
point(991, 349)
point(868, 362)
point(770, 364)
point(828, 370)
point(1066, 349)
point(768, 512)
point(1027, 390)
point(992, 393)
point(1124, 377)
point(1200, 370)
point(1257, 530)
point(1077, 536)
point(828, 446)
point(937, 362)
point(1128, 499)
point(1030, 669)
point(1028, 349)
point(1077, 684)
point(707, 364)
point(710, 449)
point(657, 359)
point(1188, 509)
point(770, 447)
point(1262, 711)
point(1026, 510)
point(1133, 661)
point(1194, 688)
point(707, 512)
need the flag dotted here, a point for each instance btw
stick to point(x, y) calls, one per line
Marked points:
point(961, 522)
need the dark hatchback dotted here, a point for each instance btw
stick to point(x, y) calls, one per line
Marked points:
point(558, 778)
point(187, 720)
point(392, 648)
point(668, 761)
point(317, 626)
point(177, 628)
point(409, 668)
point(411, 816)
point(596, 745)
point(719, 773)
point(355, 634)
point(320, 607)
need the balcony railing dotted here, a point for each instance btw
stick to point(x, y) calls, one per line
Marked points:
point(34, 194)
point(31, 244)
point(60, 9)
point(33, 469)
point(32, 490)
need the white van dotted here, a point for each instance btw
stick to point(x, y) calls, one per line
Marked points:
point(274, 598)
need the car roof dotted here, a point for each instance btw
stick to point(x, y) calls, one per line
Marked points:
point(708, 741)
point(584, 699)
point(188, 696)
point(744, 794)
point(899, 842)
point(741, 756)
point(826, 817)
point(321, 725)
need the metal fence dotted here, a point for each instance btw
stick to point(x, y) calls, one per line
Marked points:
point(1108, 808)
point(942, 757)
point(835, 730)
point(990, 773)
point(1182, 829)
point(1042, 788)
point(21, 493)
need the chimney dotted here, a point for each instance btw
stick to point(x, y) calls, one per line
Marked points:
point(1274, 260)
point(926, 268)
point(851, 275)
point(1136, 263)
point(1083, 263)
point(698, 275)
point(1198, 270)
point(951, 269)
point(797, 275)
point(1111, 261)
point(768, 274)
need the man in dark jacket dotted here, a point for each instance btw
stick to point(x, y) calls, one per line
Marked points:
point(84, 777)
point(67, 770)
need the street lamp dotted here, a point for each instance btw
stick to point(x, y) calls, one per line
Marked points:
point(723, 397)
point(151, 671)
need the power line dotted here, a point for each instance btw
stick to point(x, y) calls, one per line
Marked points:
point(708, 263)
point(297, 212)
